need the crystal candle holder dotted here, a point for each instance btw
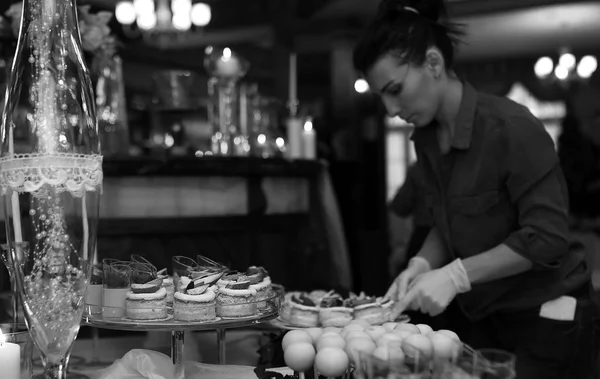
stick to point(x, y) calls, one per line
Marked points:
point(226, 68)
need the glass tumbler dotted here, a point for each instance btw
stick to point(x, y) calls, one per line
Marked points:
point(93, 297)
point(117, 282)
point(497, 364)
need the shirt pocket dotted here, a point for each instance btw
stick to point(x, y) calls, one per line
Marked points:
point(476, 204)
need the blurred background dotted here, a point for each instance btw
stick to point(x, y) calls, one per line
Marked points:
point(154, 59)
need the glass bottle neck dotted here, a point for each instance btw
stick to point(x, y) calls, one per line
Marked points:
point(48, 18)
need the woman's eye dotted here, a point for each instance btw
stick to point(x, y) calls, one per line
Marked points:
point(395, 90)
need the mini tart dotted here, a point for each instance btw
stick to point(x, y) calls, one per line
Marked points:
point(318, 295)
point(195, 308)
point(335, 316)
point(387, 307)
point(300, 314)
point(146, 306)
point(371, 312)
point(206, 277)
point(184, 281)
point(285, 312)
point(167, 283)
point(236, 302)
point(264, 290)
point(226, 280)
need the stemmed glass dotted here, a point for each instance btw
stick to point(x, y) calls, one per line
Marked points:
point(50, 176)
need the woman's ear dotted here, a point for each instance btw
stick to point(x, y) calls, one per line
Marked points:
point(434, 62)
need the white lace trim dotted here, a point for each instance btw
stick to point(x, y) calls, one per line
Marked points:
point(64, 172)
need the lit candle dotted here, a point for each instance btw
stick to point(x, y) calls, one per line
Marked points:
point(294, 138)
point(228, 65)
point(10, 359)
point(309, 141)
point(243, 110)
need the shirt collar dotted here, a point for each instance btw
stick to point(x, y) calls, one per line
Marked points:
point(464, 121)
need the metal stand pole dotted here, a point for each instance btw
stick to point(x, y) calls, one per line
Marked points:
point(221, 346)
point(177, 338)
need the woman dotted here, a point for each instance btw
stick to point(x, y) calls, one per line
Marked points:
point(498, 199)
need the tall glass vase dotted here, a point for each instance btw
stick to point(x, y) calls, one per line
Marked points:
point(110, 103)
point(50, 176)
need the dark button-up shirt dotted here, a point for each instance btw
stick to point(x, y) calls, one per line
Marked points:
point(410, 199)
point(501, 183)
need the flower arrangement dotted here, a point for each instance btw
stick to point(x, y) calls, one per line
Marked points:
point(96, 36)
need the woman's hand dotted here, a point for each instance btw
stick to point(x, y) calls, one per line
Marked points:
point(433, 291)
point(399, 287)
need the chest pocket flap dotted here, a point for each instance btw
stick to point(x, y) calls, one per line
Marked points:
point(476, 204)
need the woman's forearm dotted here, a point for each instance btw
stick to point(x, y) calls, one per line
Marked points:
point(433, 249)
point(499, 262)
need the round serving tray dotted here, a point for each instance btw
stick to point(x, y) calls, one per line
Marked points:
point(268, 309)
point(282, 324)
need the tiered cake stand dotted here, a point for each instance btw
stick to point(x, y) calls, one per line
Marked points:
point(96, 316)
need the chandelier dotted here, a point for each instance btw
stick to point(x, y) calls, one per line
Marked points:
point(162, 16)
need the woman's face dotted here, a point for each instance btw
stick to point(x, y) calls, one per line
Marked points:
point(407, 90)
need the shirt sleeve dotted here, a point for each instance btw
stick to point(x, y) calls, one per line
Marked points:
point(536, 185)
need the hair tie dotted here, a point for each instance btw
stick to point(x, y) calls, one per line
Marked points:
point(410, 9)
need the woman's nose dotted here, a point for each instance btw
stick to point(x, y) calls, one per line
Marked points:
point(392, 108)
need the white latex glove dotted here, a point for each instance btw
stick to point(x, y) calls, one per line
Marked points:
point(432, 291)
point(416, 267)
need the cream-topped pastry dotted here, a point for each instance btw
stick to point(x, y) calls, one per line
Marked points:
point(184, 281)
point(237, 300)
point(371, 312)
point(161, 293)
point(147, 301)
point(206, 277)
point(228, 279)
point(205, 297)
point(333, 312)
point(195, 304)
point(170, 288)
point(387, 307)
point(300, 310)
point(262, 285)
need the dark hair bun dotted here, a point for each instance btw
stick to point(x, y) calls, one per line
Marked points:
point(430, 9)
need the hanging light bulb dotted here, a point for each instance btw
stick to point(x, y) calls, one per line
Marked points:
point(561, 72)
point(201, 14)
point(125, 12)
point(567, 60)
point(543, 67)
point(587, 66)
point(361, 86)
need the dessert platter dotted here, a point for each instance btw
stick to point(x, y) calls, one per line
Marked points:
point(320, 308)
point(201, 295)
